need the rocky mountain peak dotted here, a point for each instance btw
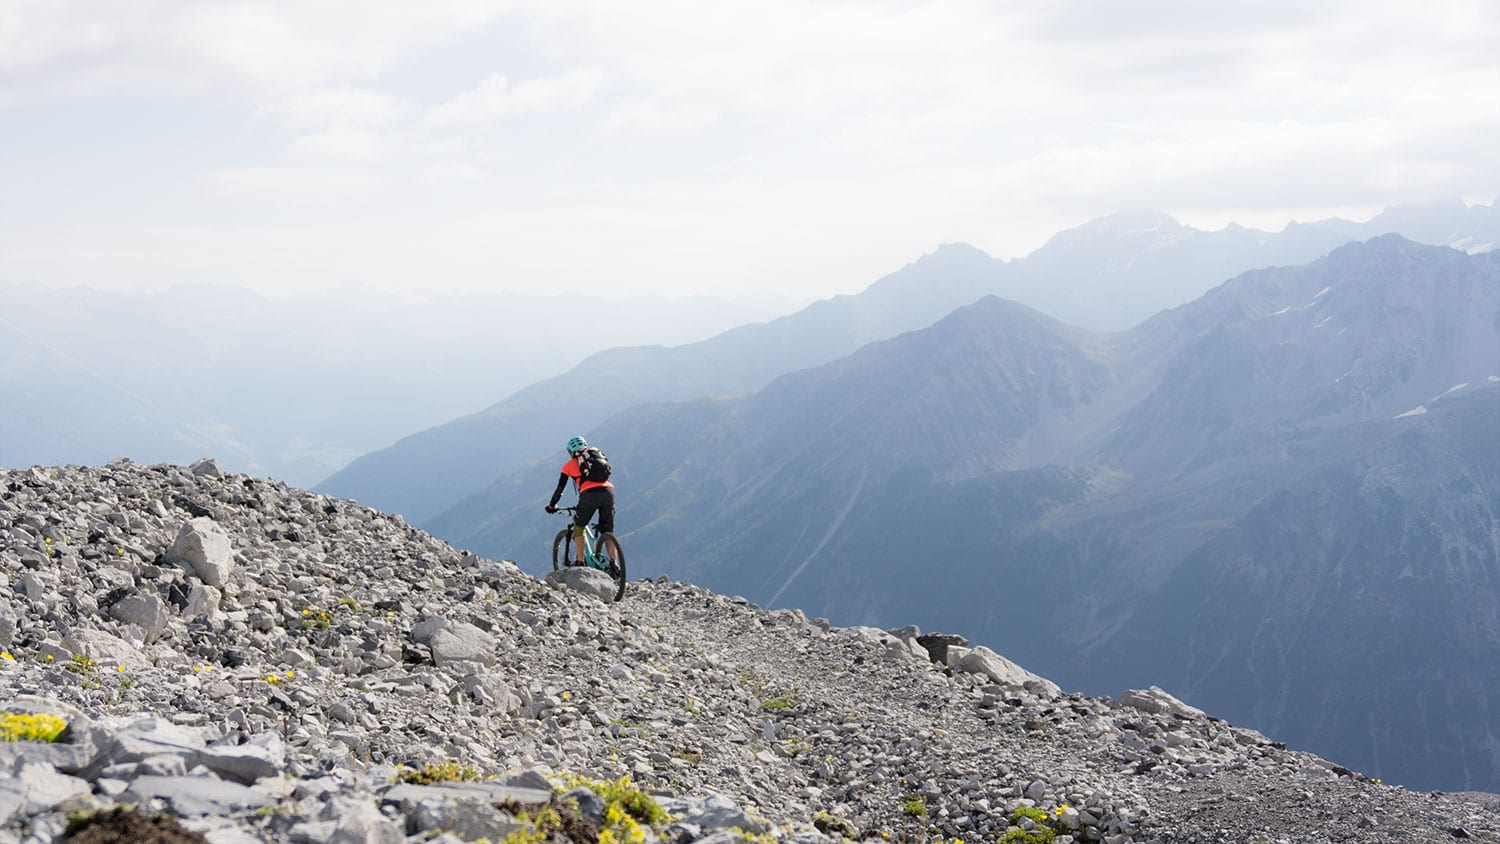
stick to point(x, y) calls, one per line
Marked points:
point(260, 663)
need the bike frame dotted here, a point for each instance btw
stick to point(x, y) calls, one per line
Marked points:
point(590, 537)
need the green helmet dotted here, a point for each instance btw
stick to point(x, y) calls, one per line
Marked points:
point(577, 444)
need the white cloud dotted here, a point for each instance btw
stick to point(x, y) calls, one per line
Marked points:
point(824, 139)
point(291, 182)
point(338, 107)
point(50, 47)
point(354, 146)
point(498, 97)
point(452, 172)
point(658, 116)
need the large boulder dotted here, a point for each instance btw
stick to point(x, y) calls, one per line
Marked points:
point(106, 649)
point(194, 795)
point(33, 786)
point(203, 547)
point(1157, 702)
point(262, 756)
point(589, 581)
point(462, 644)
point(147, 612)
point(982, 660)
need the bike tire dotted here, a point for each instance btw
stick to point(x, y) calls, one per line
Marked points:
point(614, 555)
point(562, 549)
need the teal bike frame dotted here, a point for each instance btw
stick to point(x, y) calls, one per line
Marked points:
point(601, 551)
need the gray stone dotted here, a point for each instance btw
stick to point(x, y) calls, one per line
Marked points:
point(358, 821)
point(590, 805)
point(423, 631)
point(527, 779)
point(34, 586)
point(207, 467)
point(204, 547)
point(312, 832)
point(467, 818)
point(937, 645)
point(982, 660)
point(196, 795)
point(492, 690)
point(263, 756)
point(34, 786)
point(409, 795)
point(202, 600)
point(720, 813)
point(1157, 701)
point(144, 611)
point(462, 643)
point(125, 740)
point(589, 581)
point(105, 649)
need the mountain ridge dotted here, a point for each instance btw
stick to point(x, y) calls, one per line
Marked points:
point(433, 469)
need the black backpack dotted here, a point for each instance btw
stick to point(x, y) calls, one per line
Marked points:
point(593, 465)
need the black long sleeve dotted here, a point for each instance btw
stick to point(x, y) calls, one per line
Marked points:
point(562, 483)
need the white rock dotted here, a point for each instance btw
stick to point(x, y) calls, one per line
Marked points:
point(982, 660)
point(462, 643)
point(204, 547)
point(105, 649)
point(589, 581)
point(207, 467)
point(144, 611)
point(1157, 702)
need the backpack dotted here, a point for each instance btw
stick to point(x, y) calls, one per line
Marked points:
point(593, 465)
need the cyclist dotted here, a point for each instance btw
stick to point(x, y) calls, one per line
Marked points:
point(593, 496)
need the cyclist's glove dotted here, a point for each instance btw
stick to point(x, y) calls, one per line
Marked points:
point(551, 508)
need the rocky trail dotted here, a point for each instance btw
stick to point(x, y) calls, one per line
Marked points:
point(244, 661)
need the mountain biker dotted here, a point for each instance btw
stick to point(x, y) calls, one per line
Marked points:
point(593, 496)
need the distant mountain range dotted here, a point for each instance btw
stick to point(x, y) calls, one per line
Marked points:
point(1115, 272)
point(1277, 500)
point(1110, 274)
point(290, 388)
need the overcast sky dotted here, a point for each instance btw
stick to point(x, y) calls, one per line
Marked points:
point(714, 147)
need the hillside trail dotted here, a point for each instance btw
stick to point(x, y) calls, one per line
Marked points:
point(867, 726)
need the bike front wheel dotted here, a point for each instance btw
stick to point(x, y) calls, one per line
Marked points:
point(562, 549)
point(609, 552)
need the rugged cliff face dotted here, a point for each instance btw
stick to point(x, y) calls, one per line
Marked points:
point(254, 662)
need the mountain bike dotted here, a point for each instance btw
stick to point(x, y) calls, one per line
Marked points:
point(602, 551)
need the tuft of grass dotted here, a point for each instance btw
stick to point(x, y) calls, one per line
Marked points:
point(634, 802)
point(435, 772)
point(754, 838)
point(781, 702)
point(834, 825)
point(18, 726)
point(915, 806)
point(1041, 833)
point(80, 664)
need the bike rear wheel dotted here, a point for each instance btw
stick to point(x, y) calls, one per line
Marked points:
point(609, 552)
point(562, 549)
